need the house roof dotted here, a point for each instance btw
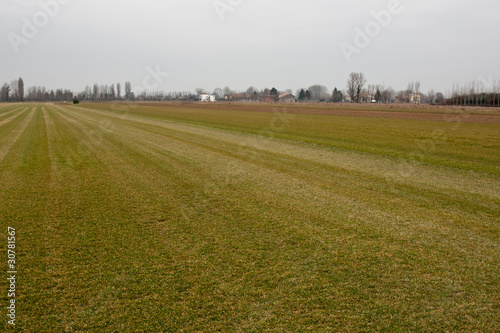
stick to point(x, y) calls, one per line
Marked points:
point(286, 95)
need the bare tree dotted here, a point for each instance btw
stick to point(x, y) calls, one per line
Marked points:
point(390, 93)
point(319, 93)
point(385, 97)
point(14, 88)
point(88, 92)
point(4, 93)
point(355, 83)
point(431, 94)
point(351, 86)
point(454, 92)
point(360, 83)
point(118, 90)
point(20, 89)
point(104, 92)
point(440, 98)
point(364, 96)
point(480, 89)
point(250, 90)
point(59, 95)
point(38, 94)
point(417, 87)
point(497, 91)
point(378, 95)
point(297, 93)
point(472, 92)
point(371, 91)
point(112, 92)
point(402, 96)
point(96, 92)
point(128, 90)
point(219, 94)
point(379, 88)
point(410, 90)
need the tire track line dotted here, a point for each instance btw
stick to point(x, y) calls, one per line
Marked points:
point(85, 131)
point(117, 162)
point(387, 168)
point(8, 141)
point(16, 114)
point(51, 133)
point(139, 139)
point(8, 109)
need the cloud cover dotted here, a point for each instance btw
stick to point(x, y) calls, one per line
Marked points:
point(241, 43)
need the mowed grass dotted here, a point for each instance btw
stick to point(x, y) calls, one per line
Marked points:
point(136, 218)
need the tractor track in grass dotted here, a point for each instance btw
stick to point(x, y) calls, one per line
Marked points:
point(158, 224)
point(7, 116)
point(245, 145)
point(196, 143)
point(8, 140)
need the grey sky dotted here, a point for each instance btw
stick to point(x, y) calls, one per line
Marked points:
point(283, 44)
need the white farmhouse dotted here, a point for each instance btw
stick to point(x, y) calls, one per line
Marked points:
point(207, 98)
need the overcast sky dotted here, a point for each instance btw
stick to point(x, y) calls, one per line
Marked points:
point(240, 43)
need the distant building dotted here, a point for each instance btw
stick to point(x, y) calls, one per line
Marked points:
point(286, 98)
point(207, 98)
point(267, 98)
point(240, 97)
point(235, 97)
point(415, 99)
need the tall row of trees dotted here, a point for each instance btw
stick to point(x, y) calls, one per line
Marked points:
point(104, 92)
point(13, 92)
point(479, 93)
point(41, 94)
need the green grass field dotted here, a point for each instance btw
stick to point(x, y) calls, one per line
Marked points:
point(161, 218)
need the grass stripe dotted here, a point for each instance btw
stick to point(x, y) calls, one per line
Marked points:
point(11, 131)
point(150, 221)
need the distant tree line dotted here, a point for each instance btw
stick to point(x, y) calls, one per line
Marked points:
point(356, 91)
point(15, 92)
point(476, 93)
point(104, 92)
